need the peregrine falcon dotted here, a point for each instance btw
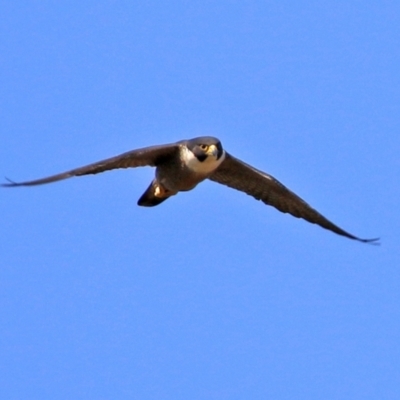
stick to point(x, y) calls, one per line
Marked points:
point(181, 166)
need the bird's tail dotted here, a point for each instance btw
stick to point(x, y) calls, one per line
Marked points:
point(154, 195)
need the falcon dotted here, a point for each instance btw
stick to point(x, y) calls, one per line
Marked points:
point(181, 166)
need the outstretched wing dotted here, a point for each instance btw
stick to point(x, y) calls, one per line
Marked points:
point(241, 176)
point(148, 156)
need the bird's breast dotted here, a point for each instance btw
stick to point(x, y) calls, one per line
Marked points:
point(186, 172)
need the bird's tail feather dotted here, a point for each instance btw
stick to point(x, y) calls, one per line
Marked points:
point(153, 196)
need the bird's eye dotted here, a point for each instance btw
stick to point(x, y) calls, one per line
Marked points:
point(204, 147)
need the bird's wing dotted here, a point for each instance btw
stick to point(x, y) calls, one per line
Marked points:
point(148, 156)
point(241, 176)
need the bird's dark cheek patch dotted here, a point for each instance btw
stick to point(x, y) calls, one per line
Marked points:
point(220, 151)
point(201, 157)
point(199, 154)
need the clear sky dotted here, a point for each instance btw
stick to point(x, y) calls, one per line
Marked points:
point(211, 295)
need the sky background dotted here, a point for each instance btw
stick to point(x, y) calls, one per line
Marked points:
point(211, 295)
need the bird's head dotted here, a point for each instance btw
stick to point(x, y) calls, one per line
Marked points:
point(203, 154)
point(206, 148)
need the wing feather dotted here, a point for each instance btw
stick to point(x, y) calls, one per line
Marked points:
point(148, 156)
point(262, 186)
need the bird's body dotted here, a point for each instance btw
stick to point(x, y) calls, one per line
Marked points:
point(181, 166)
point(182, 172)
point(185, 172)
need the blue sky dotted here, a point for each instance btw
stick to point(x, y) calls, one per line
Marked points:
point(211, 295)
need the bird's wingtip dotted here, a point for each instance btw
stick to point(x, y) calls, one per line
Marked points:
point(374, 241)
point(10, 183)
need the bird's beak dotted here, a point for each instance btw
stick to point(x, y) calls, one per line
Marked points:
point(213, 151)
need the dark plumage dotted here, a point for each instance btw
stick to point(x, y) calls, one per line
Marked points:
point(181, 166)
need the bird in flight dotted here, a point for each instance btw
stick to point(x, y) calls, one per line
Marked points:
point(181, 166)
